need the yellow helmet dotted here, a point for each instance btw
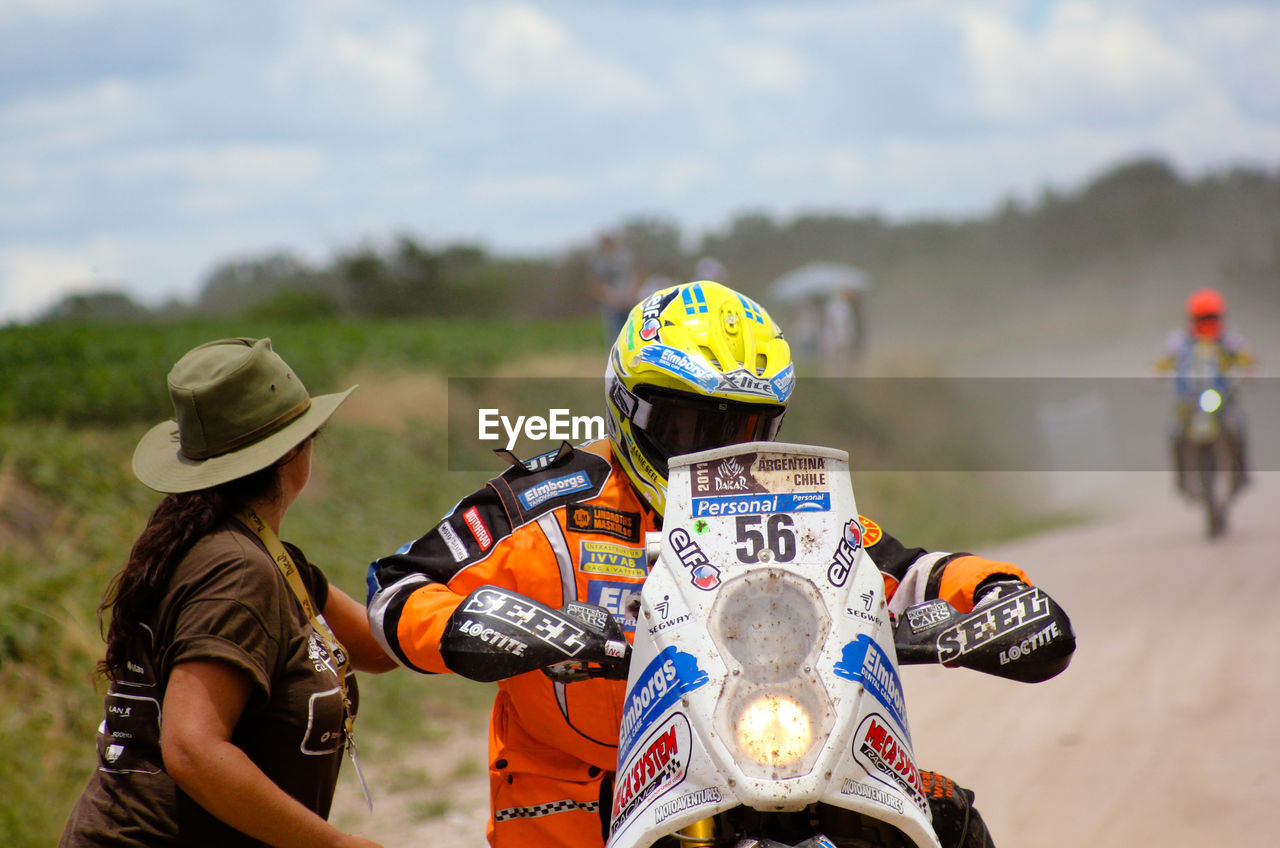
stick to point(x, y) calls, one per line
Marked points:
point(696, 366)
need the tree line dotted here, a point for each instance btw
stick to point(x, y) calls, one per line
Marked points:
point(1130, 212)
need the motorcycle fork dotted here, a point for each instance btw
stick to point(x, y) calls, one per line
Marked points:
point(700, 834)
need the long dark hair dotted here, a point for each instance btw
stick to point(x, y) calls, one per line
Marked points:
point(178, 522)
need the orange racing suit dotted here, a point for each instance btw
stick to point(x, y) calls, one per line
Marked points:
point(570, 527)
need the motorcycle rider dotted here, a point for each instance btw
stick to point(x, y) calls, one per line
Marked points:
point(695, 366)
point(1205, 340)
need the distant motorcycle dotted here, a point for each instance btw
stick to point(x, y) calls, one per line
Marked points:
point(764, 706)
point(1208, 457)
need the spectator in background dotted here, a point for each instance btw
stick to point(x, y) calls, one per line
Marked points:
point(662, 277)
point(709, 268)
point(612, 283)
point(841, 334)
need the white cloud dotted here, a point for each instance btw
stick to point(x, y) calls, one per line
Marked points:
point(362, 68)
point(34, 278)
point(847, 165)
point(521, 122)
point(681, 174)
point(1088, 65)
point(1237, 46)
point(231, 179)
point(153, 266)
point(532, 189)
point(393, 63)
point(29, 196)
point(514, 50)
point(1215, 132)
point(24, 11)
point(81, 118)
point(773, 68)
point(237, 163)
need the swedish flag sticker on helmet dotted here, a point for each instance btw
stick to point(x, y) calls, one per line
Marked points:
point(700, 366)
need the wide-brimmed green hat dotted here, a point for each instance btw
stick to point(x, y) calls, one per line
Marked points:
point(237, 409)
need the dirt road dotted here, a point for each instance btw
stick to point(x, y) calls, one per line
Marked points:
point(1162, 732)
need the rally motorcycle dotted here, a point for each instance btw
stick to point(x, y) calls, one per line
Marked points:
point(764, 705)
point(1208, 456)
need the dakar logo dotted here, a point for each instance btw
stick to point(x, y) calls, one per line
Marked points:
point(731, 475)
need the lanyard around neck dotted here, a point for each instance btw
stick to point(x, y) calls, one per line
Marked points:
point(337, 653)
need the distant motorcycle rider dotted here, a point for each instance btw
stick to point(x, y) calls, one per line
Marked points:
point(1204, 354)
point(695, 366)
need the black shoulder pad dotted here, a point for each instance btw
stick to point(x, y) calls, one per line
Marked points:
point(579, 476)
point(465, 535)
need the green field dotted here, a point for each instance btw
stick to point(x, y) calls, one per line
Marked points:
point(75, 399)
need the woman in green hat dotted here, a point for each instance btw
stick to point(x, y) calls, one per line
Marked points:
point(230, 635)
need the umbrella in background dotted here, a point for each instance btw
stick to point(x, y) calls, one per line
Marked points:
point(826, 301)
point(818, 279)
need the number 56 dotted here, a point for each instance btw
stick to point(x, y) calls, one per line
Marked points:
point(780, 542)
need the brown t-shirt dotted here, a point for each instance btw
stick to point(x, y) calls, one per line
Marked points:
point(226, 601)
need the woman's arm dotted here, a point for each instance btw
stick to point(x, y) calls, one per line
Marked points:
point(350, 624)
point(202, 704)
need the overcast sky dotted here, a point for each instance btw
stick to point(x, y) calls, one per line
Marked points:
point(143, 141)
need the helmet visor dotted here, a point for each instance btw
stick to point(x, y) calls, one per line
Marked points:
point(680, 424)
point(1206, 326)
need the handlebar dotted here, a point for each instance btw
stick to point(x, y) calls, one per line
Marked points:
point(572, 671)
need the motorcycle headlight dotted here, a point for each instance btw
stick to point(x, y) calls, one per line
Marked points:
point(1210, 400)
point(775, 730)
point(770, 626)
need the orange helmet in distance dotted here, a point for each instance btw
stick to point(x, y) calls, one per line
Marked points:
point(1205, 308)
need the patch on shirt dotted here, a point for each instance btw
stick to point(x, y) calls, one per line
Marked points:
point(621, 599)
point(451, 540)
point(478, 529)
point(129, 737)
point(610, 558)
point(587, 518)
point(540, 493)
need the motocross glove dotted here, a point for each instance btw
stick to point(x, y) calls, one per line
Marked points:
point(955, 820)
point(609, 655)
point(496, 633)
point(995, 587)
